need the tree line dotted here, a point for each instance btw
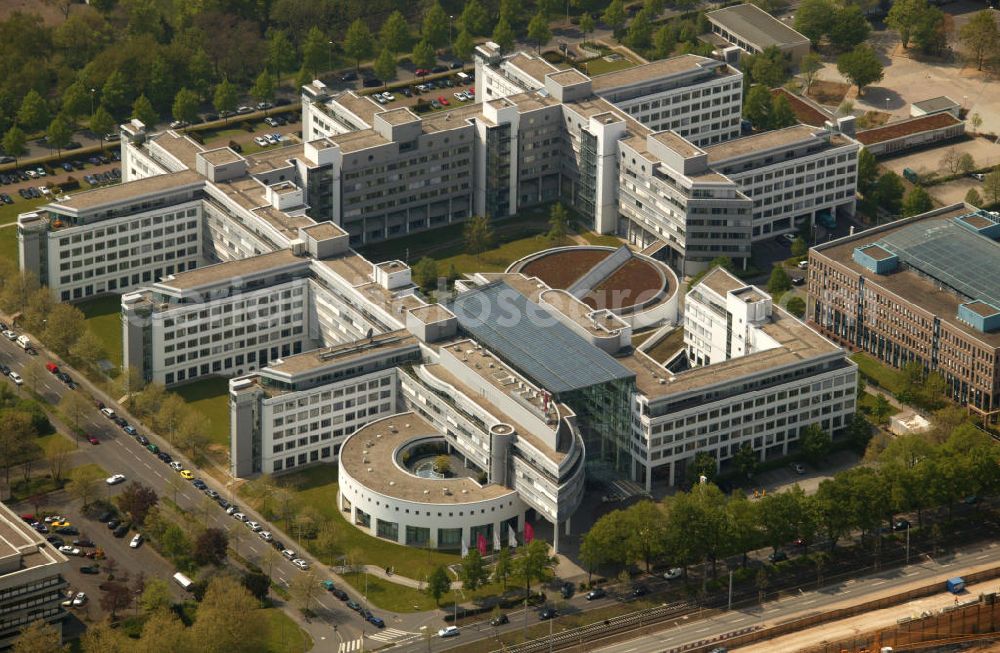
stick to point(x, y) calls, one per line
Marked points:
point(912, 473)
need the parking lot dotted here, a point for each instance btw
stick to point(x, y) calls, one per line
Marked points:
point(39, 182)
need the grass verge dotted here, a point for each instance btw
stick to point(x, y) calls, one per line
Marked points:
point(881, 375)
point(668, 346)
point(391, 596)
point(283, 634)
point(8, 212)
point(103, 318)
point(867, 403)
point(8, 243)
point(317, 487)
point(210, 397)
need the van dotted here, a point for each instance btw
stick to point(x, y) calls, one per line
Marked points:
point(23, 342)
point(183, 580)
point(463, 77)
point(107, 412)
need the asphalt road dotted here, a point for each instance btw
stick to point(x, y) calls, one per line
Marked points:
point(852, 591)
point(118, 453)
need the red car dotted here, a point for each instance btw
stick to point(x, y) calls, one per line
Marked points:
point(52, 367)
point(92, 440)
point(420, 72)
point(443, 100)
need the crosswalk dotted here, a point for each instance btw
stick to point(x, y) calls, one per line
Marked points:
point(386, 636)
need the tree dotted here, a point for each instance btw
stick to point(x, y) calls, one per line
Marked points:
point(799, 247)
point(587, 27)
point(225, 98)
point(503, 568)
point(849, 27)
point(228, 619)
point(503, 34)
point(538, 31)
point(533, 563)
point(781, 112)
point(143, 111)
point(73, 407)
point(966, 163)
point(63, 324)
point(474, 18)
point(280, 52)
point(977, 121)
point(39, 637)
point(742, 524)
point(57, 455)
point(34, 112)
point(395, 33)
point(645, 532)
point(304, 589)
point(115, 93)
point(358, 42)
point(889, 192)
point(442, 464)
point(59, 134)
point(768, 67)
point(950, 160)
point(210, 547)
point(917, 201)
point(263, 87)
point(425, 273)
point(779, 282)
point(904, 16)
point(137, 500)
point(796, 306)
point(316, 50)
point(117, 596)
point(867, 171)
point(813, 18)
point(980, 36)
point(463, 45)
point(991, 186)
point(558, 222)
point(860, 66)
point(75, 100)
point(757, 107)
point(15, 143)
point(704, 464)
point(814, 443)
point(809, 67)
point(257, 583)
point(478, 235)
point(438, 584)
point(84, 483)
point(614, 16)
point(640, 30)
point(385, 66)
point(436, 26)
point(423, 55)
point(103, 637)
point(929, 33)
point(185, 106)
point(474, 572)
point(746, 460)
point(973, 197)
point(155, 596)
point(880, 409)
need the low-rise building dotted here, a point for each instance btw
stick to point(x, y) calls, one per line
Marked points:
point(753, 30)
point(32, 578)
point(923, 289)
point(911, 133)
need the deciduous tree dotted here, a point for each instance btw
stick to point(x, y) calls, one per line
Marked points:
point(813, 18)
point(137, 500)
point(904, 16)
point(15, 143)
point(395, 33)
point(39, 637)
point(503, 34)
point(423, 55)
point(980, 36)
point(538, 31)
point(438, 584)
point(210, 547)
point(358, 42)
point(474, 572)
point(142, 110)
point(59, 134)
point(478, 234)
point(34, 112)
point(889, 192)
point(185, 106)
point(860, 66)
point(849, 27)
point(809, 67)
point(436, 25)
point(917, 201)
point(815, 444)
point(385, 66)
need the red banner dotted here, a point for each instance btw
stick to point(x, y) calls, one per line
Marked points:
point(529, 533)
point(481, 544)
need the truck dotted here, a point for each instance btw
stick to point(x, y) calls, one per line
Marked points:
point(183, 580)
point(955, 585)
point(911, 175)
point(23, 342)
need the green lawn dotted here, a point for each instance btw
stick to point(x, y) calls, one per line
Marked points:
point(398, 598)
point(103, 316)
point(210, 397)
point(317, 487)
point(8, 212)
point(283, 634)
point(601, 239)
point(882, 375)
point(867, 402)
point(8, 243)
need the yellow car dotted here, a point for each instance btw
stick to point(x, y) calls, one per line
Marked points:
point(185, 474)
point(59, 524)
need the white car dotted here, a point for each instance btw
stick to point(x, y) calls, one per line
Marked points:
point(389, 97)
point(803, 265)
point(9, 335)
point(260, 140)
point(380, 99)
point(244, 109)
point(176, 466)
point(136, 541)
point(449, 631)
point(674, 573)
point(115, 479)
point(69, 550)
point(288, 553)
point(107, 412)
point(16, 378)
point(79, 599)
point(240, 516)
point(461, 96)
point(232, 510)
point(266, 536)
point(254, 526)
point(301, 564)
point(52, 518)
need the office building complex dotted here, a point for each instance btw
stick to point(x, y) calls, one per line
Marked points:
point(922, 289)
point(753, 30)
point(32, 578)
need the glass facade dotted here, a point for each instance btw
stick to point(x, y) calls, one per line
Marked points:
point(449, 538)
point(605, 417)
point(498, 171)
point(586, 196)
point(417, 536)
point(388, 530)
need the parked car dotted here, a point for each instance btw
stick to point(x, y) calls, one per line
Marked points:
point(376, 621)
point(68, 530)
point(340, 594)
point(640, 590)
point(901, 525)
point(79, 599)
point(69, 550)
point(777, 556)
point(596, 593)
point(115, 479)
point(86, 543)
point(448, 631)
point(354, 605)
point(499, 620)
point(121, 530)
point(90, 569)
point(136, 541)
point(244, 110)
point(301, 564)
point(673, 573)
point(567, 590)
point(547, 613)
point(92, 440)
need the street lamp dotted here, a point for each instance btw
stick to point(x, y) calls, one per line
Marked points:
point(330, 61)
point(451, 20)
point(92, 91)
